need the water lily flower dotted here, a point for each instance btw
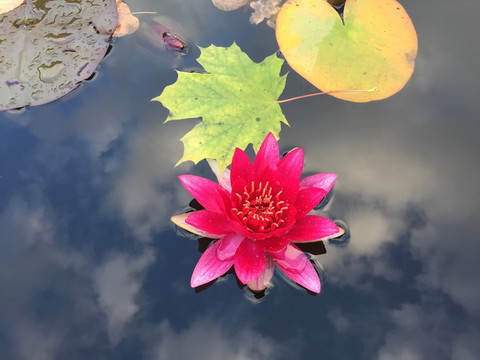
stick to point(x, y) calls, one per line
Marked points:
point(258, 212)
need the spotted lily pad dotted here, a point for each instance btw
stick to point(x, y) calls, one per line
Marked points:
point(375, 46)
point(47, 47)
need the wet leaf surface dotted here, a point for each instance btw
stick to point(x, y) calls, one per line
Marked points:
point(47, 48)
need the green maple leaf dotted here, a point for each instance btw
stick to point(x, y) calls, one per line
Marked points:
point(236, 99)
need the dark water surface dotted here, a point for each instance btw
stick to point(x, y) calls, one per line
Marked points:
point(92, 268)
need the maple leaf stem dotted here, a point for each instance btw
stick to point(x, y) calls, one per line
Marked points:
point(326, 92)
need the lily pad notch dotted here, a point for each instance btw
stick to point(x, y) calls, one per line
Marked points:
point(374, 47)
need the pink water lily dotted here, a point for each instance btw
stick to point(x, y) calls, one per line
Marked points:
point(258, 212)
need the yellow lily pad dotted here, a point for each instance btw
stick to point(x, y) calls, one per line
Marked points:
point(375, 46)
point(9, 5)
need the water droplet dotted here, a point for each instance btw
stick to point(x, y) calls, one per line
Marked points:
point(49, 73)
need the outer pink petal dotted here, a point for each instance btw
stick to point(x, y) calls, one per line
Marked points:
point(180, 220)
point(208, 193)
point(210, 222)
point(209, 267)
point(307, 199)
point(268, 154)
point(229, 246)
point(263, 280)
point(241, 167)
point(274, 244)
point(249, 261)
point(291, 165)
point(295, 264)
point(223, 178)
point(323, 181)
point(312, 228)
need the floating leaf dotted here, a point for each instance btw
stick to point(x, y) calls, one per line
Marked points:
point(164, 36)
point(127, 23)
point(376, 46)
point(229, 5)
point(9, 5)
point(48, 47)
point(171, 41)
point(237, 99)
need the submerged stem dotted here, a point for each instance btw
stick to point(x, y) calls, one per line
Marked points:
point(326, 92)
point(143, 12)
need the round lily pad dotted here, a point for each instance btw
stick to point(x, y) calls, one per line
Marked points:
point(374, 46)
point(229, 5)
point(9, 5)
point(47, 47)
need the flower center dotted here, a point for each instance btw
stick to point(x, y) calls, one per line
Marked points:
point(259, 209)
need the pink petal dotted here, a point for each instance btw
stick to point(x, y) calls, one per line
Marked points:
point(323, 181)
point(269, 173)
point(249, 261)
point(268, 154)
point(279, 182)
point(307, 199)
point(295, 264)
point(223, 178)
point(207, 192)
point(209, 268)
point(287, 185)
point(210, 222)
point(291, 165)
point(312, 228)
point(237, 225)
point(229, 246)
point(238, 187)
point(241, 167)
point(261, 283)
point(273, 244)
point(241, 229)
point(180, 220)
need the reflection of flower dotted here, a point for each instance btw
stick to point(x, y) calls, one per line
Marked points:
point(257, 211)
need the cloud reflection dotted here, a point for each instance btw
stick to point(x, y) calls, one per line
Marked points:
point(46, 296)
point(208, 340)
point(142, 191)
point(118, 281)
point(405, 287)
point(422, 332)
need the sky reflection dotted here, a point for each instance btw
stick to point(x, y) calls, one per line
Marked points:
point(91, 267)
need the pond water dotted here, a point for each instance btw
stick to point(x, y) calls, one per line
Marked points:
point(92, 268)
